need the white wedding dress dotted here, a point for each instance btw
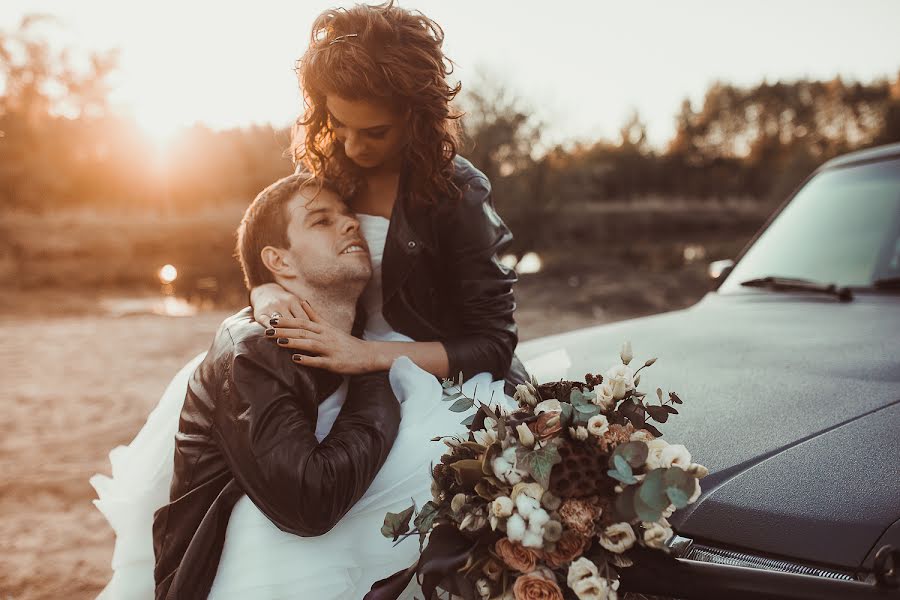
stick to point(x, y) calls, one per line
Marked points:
point(259, 560)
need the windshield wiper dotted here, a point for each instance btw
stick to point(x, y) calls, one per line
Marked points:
point(790, 284)
point(887, 283)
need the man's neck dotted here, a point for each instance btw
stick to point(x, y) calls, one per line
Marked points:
point(338, 307)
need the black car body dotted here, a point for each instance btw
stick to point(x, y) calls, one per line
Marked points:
point(791, 387)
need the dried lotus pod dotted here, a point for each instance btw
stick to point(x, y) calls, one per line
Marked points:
point(582, 471)
point(561, 390)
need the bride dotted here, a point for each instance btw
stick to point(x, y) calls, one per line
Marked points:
point(438, 296)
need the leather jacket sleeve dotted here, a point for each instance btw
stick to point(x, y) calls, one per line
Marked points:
point(268, 439)
point(474, 236)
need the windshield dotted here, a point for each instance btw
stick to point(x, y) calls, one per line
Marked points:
point(842, 227)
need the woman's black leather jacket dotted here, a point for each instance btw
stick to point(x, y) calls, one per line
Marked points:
point(443, 281)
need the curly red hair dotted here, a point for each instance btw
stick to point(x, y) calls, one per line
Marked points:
point(389, 55)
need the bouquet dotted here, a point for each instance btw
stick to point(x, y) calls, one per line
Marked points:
point(548, 499)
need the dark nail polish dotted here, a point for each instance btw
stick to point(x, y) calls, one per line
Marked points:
point(273, 322)
point(282, 341)
point(297, 357)
point(270, 332)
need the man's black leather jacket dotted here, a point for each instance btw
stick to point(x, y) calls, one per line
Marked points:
point(248, 427)
point(443, 281)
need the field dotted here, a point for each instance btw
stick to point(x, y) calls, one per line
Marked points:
point(80, 377)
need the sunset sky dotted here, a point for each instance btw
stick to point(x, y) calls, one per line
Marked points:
point(582, 66)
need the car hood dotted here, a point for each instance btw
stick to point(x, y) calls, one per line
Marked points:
point(793, 403)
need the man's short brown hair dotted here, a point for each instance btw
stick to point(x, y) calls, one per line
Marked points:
point(265, 223)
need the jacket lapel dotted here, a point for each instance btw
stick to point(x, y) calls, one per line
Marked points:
point(401, 248)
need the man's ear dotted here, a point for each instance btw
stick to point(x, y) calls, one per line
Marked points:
point(275, 260)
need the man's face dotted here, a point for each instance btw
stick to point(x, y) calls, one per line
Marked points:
point(373, 135)
point(326, 246)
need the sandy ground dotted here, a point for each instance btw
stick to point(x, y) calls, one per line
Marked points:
point(77, 384)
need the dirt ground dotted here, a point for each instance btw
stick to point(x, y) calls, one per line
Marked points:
point(76, 383)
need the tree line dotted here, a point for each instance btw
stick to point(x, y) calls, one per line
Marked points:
point(61, 144)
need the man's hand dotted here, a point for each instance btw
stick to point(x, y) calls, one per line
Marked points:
point(333, 349)
point(271, 302)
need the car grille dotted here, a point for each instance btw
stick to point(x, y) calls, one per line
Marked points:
point(689, 550)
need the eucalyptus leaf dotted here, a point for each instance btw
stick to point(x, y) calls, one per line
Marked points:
point(634, 452)
point(588, 409)
point(644, 511)
point(652, 491)
point(656, 432)
point(623, 508)
point(622, 465)
point(452, 397)
point(626, 479)
point(462, 405)
point(658, 413)
point(680, 486)
point(577, 398)
point(468, 420)
point(567, 414)
point(674, 398)
point(659, 394)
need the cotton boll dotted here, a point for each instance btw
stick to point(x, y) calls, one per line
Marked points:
point(525, 505)
point(533, 540)
point(538, 519)
point(501, 466)
point(513, 477)
point(515, 528)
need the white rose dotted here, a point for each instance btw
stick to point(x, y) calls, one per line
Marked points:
point(698, 471)
point(594, 588)
point(502, 507)
point(526, 437)
point(605, 399)
point(655, 535)
point(532, 490)
point(654, 457)
point(580, 569)
point(642, 435)
point(675, 455)
point(696, 493)
point(598, 425)
point(548, 406)
point(458, 502)
point(618, 538)
point(626, 354)
point(621, 379)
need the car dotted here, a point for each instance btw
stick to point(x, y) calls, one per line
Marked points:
point(790, 375)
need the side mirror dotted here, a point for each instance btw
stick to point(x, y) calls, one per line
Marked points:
point(719, 269)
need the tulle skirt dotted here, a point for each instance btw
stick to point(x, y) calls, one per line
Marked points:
point(259, 560)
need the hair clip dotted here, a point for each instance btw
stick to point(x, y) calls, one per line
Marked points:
point(342, 38)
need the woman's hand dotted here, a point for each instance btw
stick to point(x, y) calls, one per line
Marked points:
point(335, 350)
point(270, 300)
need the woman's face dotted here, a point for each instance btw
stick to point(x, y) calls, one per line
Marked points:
point(373, 135)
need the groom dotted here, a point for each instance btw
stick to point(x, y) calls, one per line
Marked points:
point(249, 417)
